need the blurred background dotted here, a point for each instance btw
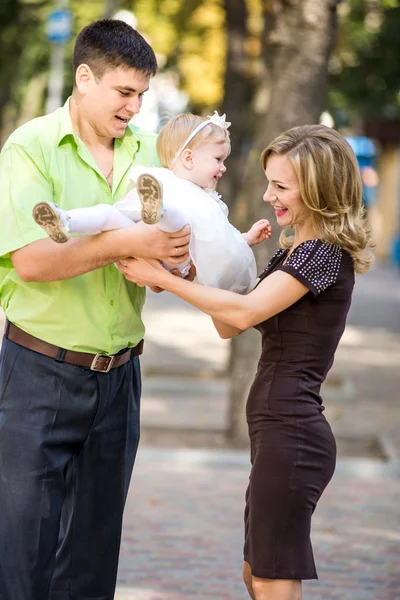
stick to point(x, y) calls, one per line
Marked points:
point(269, 65)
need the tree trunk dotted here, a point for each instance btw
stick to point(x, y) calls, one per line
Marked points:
point(239, 88)
point(297, 42)
point(19, 21)
point(110, 8)
point(12, 46)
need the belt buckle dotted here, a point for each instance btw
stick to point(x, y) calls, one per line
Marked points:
point(107, 366)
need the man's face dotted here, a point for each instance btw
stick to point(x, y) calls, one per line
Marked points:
point(111, 102)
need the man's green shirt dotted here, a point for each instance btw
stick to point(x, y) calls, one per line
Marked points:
point(45, 161)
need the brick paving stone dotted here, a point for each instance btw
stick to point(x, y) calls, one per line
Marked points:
point(183, 533)
point(183, 529)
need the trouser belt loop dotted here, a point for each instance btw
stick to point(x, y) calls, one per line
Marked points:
point(6, 328)
point(61, 355)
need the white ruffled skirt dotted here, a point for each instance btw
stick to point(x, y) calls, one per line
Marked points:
point(221, 256)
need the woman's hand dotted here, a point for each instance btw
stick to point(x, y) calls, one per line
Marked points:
point(260, 231)
point(143, 271)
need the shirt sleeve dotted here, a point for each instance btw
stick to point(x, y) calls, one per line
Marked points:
point(22, 185)
point(315, 264)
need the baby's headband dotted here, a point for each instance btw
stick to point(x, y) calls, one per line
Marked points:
point(216, 119)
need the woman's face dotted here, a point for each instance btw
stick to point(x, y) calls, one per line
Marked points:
point(283, 192)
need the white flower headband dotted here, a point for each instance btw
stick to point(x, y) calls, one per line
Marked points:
point(216, 119)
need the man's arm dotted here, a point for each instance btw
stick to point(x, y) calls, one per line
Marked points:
point(45, 260)
point(23, 183)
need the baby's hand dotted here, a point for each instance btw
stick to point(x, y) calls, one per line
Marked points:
point(260, 231)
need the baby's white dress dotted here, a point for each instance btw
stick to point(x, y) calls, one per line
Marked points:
point(222, 257)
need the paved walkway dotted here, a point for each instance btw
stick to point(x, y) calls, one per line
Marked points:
point(183, 530)
point(182, 535)
point(183, 524)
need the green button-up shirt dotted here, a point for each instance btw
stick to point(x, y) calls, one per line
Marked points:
point(44, 160)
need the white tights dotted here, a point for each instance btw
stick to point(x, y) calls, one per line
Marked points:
point(104, 217)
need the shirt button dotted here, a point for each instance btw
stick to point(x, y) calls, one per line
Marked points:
point(111, 302)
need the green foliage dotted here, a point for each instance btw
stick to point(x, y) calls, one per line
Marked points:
point(365, 66)
point(26, 50)
point(23, 52)
point(189, 36)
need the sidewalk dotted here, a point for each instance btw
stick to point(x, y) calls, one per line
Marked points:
point(183, 530)
point(182, 536)
point(183, 522)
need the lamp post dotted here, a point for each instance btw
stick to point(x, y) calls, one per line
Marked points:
point(58, 30)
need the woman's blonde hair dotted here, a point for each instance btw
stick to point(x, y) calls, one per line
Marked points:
point(330, 186)
point(174, 134)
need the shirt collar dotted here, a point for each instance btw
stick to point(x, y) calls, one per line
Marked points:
point(129, 140)
point(66, 127)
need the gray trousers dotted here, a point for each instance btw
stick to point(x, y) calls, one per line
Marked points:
point(68, 441)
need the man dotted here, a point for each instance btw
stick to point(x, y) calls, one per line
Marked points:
point(69, 371)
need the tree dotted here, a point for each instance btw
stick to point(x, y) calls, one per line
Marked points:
point(239, 87)
point(297, 41)
point(20, 21)
point(189, 38)
point(365, 65)
point(24, 60)
point(187, 35)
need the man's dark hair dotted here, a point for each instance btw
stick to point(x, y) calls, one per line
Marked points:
point(110, 43)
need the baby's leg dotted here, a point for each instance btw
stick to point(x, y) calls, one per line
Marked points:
point(101, 217)
point(59, 223)
point(149, 192)
point(172, 219)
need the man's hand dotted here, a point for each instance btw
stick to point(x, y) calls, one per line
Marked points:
point(149, 241)
point(190, 276)
point(192, 272)
point(156, 289)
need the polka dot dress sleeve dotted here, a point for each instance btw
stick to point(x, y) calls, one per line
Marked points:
point(315, 264)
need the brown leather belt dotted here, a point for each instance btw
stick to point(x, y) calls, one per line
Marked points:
point(95, 362)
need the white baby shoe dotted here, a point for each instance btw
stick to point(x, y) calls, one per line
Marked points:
point(53, 220)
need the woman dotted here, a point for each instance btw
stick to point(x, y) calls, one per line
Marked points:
point(300, 306)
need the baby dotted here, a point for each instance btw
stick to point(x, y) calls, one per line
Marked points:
point(192, 151)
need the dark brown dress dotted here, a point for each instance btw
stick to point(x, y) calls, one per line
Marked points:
point(293, 451)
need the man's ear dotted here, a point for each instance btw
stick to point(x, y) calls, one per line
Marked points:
point(83, 78)
point(187, 158)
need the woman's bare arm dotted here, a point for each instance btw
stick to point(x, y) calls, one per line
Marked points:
point(273, 295)
point(226, 331)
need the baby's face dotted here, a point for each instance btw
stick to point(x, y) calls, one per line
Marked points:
point(208, 164)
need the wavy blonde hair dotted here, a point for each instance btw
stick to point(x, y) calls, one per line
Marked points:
point(330, 186)
point(174, 134)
